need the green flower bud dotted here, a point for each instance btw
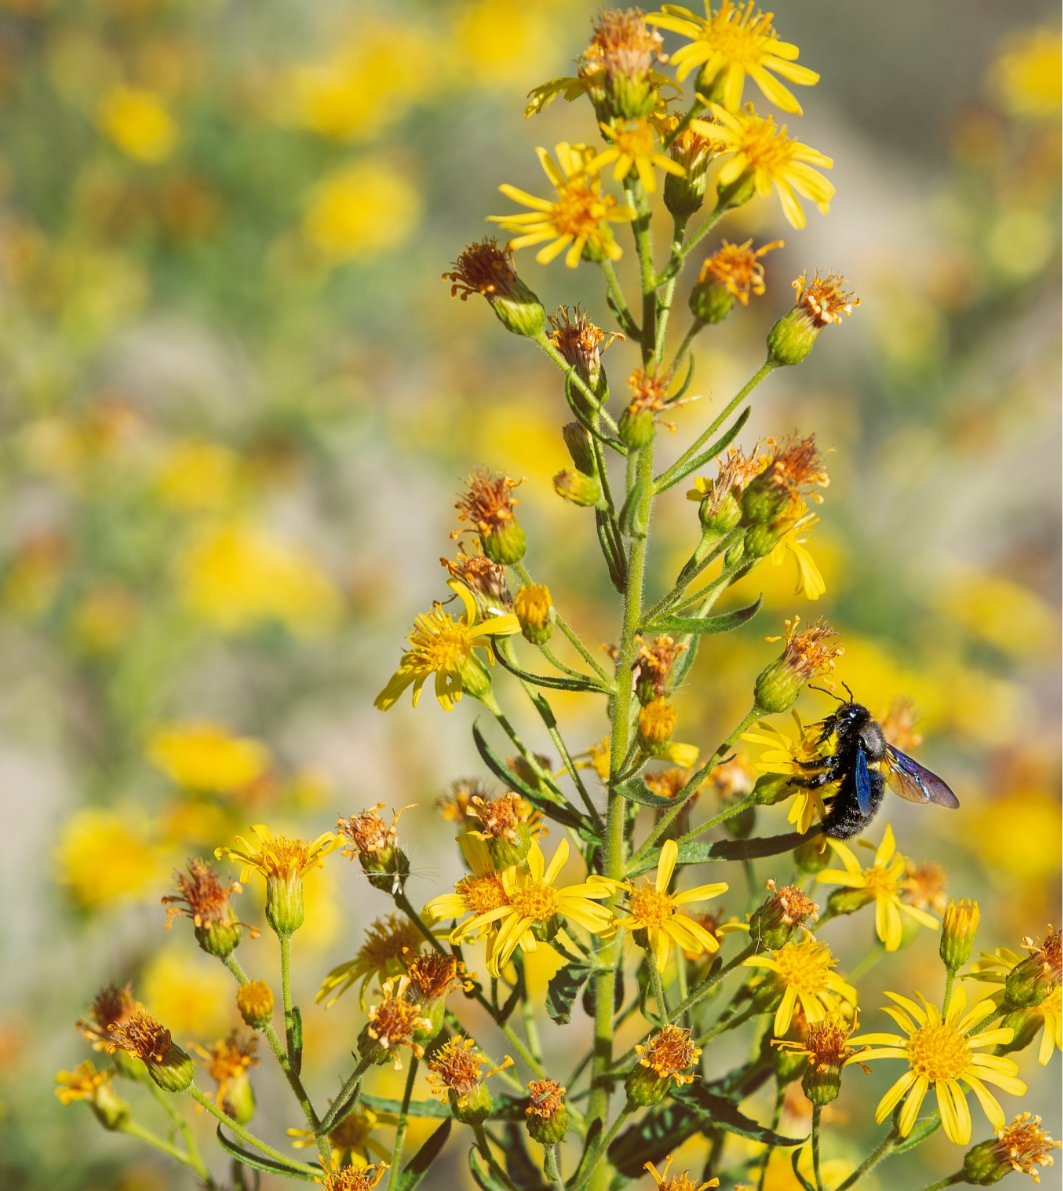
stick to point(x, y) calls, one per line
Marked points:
point(240, 1099)
point(504, 546)
point(644, 1087)
point(685, 194)
point(489, 507)
point(578, 442)
point(535, 611)
point(636, 427)
point(375, 843)
point(741, 826)
point(110, 1109)
point(142, 1036)
point(711, 302)
point(848, 901)
point(1022, 1146)
point(737, 193)
point(1024, 1024)
point(814, 855)
point(1029, 982)
point(821, 302)
point(285, 911)
point(774, 923)
point(205, 899)
point(721, 516)
point(475, 1107)
point(772, 788)
point(546, 1115)
point(958, 930)
point(808, 653)
point(578, 487)
point(486, 269)
point(618, 64)
point(821, 1087)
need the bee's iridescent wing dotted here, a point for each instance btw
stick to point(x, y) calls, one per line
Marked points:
point(915, 782)
point(863, 783)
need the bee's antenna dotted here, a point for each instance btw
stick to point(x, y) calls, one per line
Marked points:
point(851, 699)
point(831, 693)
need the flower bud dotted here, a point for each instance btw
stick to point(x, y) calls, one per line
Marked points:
point(644, 1087)
point(581, 343)
point(848, 901)
point(958, 930)
point(578, 442)
point(814, 855)
point(578, 487)
point(771, 788)
point(821, 1087)
point(488, 506)
point(506, 827)
point(204, 899)
point(255, 1003)
point(374, 842)
point(142, 1036)
point(240, 1098)
point(1024, 1025)
point(486, 269)
point(656, 723)
point(684, 194)
point(618, 65)
point(821, 302)
point(535, 612)
point(736, 193)
point(636, 427)
point(789, 1065)
point(546, 1116)
point(475, 1107)
point(808, 653)
point(721, 516)
point(711, 302)
point(1030, 981)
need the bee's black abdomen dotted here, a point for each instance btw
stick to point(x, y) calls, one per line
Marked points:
point(844, 818)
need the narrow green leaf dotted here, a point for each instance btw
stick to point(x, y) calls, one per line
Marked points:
point(666, 481)
point(636, 790)
point(483, 1178)
point(921, 1130)
point(705, 626)
point(417, 1167)
point(417, 1108)
point(563, 989)
point(297, 1170)
point(520, 1166)
point(747, 849)
point(795, 1157)
point(725, 1115)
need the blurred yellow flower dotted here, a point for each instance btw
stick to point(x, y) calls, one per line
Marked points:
point(198, 476)
point(104, 858)
point(633, 145)
point(1019, 834)
point(809, 580)
point(500, 42)
point(34, 575)
point(361, 210)
point(192, 996)
point(103, 621)
point(1001, 612)
point(368, 84)
point(136, 121)
point(235, 576)
point(207, 757)
point(1028, 75)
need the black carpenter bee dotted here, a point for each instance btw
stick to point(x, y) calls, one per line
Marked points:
point(862, 763)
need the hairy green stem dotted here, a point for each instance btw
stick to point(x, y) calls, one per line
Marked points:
point(658, 987)
point(882, 1150)
point(619, 302)
point(817, 1111)
point(205, 1101)
point(950, 1181)
point(346, 1100)
point(153, 1139)
point(400, 1129)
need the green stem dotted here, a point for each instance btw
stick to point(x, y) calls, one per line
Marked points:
point(664, 302)
point(817, 1110)
point(619, 302)
point(484, 1147)
point(882, 1150)
point(703, 229)
point(780, 1097)
point(233, 964)
point(153, 1139)
point(182, 1126)
point(727, 813)
point(868, 962)
point(599, 1151)
point(658, 987)
point(400, 1131)
point(676, 472)
point(694, 330)
point(576, 380)
point(950, 977)
point(725, 1024)
point(286, 994)
point(205, 1102)
point(552, 1167)
point(345, 1101)
point(702, 990)
point(951, 1181)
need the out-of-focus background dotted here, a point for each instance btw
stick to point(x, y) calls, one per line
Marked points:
point(236, 399)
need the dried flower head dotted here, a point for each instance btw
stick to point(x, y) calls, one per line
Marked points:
point(649, 390)
point(823, 300)
point(794, 906)
point(926, 885)
point(389, 944)
point(738, 269)
point(547, 1097)
point(653, 664)
point(483, 268)
point(456, 806)
point(795, 465)
point(669, 1053)
point(1024, 1145)
point(202, 897)
point(1049, 954)
point(396, 1020)
point(227, 1062)
point(113, 1006)
point(580, 341)
point(898, 725)
point(502, 818)
point(434, 975)
point(369, 834)
point(455, 1067)
point(142, 1036)
point(353, 1178)
point(676, 1182)
point(484, 579)
point(810, 651)
point(826, 1042)
point(487, 504)
point(623, 45)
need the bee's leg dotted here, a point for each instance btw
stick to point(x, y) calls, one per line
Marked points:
point(815, 781)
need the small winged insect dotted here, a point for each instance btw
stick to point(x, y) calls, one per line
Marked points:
point(862, 764)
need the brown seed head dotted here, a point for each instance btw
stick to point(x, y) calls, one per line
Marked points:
point(484, 578)
point(368, 833)
point(395, 1020)
point(925, 885)
point(653, 663)
point(501, 817)
point(623, 46)
point(141, 1035)
point(390, 940)
point(547, 1096)
point(823, 300)
point(353, 1178)
point(796, 464)
point(432, 976)
point(669, 1052)
point(1024, 1145)
point(487, 504)
point(579, 340)
point(649, 390)
point(811, 651)
point(898, 725)
point(483, 268)
point(1050, 954)
point(202, 897)
point(113, 1006)
point(738, 269)
point(792, 905)
point(456, 1067)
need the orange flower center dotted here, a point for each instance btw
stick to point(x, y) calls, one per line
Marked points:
point(579, 209)
point(741, 37)
point(482, 894)
point(438, 642)
point(767, 146)
point(938, 1051)
point(804, 966)
point(649, 907)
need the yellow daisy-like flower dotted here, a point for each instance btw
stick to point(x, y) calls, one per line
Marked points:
point(577, 219)
point(736, 41)
point(804, 970)
point(941, 1051)
point(532, 901)
point(277, 858)
point(992, 967)
point(772, 156)
point(782, 756)
point(476, 896)
point(634, 146)
point(388, 944)
point(883, 882)
point(651, 908)
point(809, 580)
point(443, 646)
point(351, 1141)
